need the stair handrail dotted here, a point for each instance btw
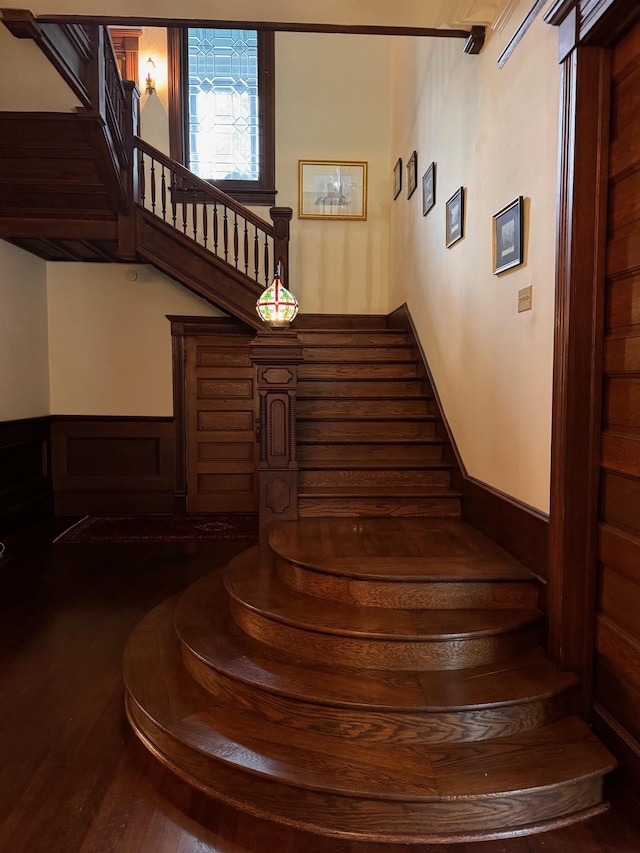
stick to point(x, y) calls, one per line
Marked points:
point(209, 216)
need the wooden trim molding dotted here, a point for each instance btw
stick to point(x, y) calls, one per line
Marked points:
point(519, 34)
point(26, 492)
point(104, 465)
point(518, 528)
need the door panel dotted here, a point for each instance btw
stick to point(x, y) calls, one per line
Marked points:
point(222, 452)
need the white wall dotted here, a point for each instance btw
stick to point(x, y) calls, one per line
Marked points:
point(495, 133)
point(110, 341)
point(24, 359)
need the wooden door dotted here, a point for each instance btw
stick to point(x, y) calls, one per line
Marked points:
point(617, 669)
point(222, 451)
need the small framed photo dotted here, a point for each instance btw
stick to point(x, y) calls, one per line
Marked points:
point(508, 237)
point(332, 189)
point(455, 217)
point(412, 174)
point(397, 179)
point(429, 189)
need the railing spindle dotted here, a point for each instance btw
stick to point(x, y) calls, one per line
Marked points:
point(153, 186)
point(256, 252)
point(142, 182)
point(225, 233)
point(174, 203)
point(235, 240)
point(215, 228)
point(246, 248)
point(194, 218)
point(266, 259)
point(184, 211)
point(164, 195)
point(205, 223)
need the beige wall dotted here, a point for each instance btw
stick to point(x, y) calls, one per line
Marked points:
point(495, 133)
point(333, 102)
point(110, 341)
point(24, 360)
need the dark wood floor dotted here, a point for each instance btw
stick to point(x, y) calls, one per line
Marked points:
point(73, 777)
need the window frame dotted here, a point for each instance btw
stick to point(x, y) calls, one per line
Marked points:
point(263, 191)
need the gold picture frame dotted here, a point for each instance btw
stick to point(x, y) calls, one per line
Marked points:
point(332, 189)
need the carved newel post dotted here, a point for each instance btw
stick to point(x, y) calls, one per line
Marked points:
point(277, 354)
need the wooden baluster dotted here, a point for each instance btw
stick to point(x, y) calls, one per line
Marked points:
point(153, 185)
point(205, 223)
point(246, 247)
point(266, 258)
point(215, 228)
point(194, 217)
point(184, 210)
point(256, 252)
point(142, 179)
point(225, 233)
point(235, 239)
point(174, 204)
point(164, 194)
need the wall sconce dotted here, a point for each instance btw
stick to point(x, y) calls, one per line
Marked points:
point(151, 77)
point(276, 306)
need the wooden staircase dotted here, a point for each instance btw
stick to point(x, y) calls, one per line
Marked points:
point(379, 681)
point(366, 425)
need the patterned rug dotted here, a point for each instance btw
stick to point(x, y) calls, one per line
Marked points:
point(238, 527)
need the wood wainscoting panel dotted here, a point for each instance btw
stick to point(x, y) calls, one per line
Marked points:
point(25, 480)
point(617, 665)
point(107, 465)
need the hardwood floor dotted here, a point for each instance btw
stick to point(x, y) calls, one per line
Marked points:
point(75, 777)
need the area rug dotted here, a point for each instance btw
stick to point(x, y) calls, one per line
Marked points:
point(236, 527)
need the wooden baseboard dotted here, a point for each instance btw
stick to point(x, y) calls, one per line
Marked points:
point(104, 465)
point(25, 482)
point(518, 528)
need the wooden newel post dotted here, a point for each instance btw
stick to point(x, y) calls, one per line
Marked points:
point(281, 217)
point(277, 355)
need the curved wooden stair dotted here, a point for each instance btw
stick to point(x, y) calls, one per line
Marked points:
point(377, 680)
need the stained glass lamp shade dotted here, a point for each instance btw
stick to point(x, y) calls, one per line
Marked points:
point(276, 306)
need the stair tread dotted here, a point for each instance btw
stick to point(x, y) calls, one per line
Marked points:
point(403, 549)
point(364, 465)
point(412, 440)
point(257, 588)
point(206, 628)
point(551, 755)
point(349, 491)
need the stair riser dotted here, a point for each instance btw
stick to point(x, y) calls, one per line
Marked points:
point(409, 595)
point(311, 507)
point(455, 820)
point(356, 337)
point(358, 431)
point(338, 370)
point(351, 455)
point(373, 653)
point(391, 477)
point(362, 408)
point(346, 354)
point(364, 388)
point(375, 725)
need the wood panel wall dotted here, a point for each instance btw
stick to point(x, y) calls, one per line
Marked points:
point(25, 480)
point(105, 465)
point(617, 668)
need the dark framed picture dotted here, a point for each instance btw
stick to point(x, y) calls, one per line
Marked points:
point(455, 217)
point(429, 189)
point(507, 237)
point(412, 174)
point(397, 178)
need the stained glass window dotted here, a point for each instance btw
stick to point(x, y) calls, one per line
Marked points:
point(223, 115)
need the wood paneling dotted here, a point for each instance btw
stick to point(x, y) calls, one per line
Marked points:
point(113, 464)
point(25, 481)
point(221, 411)
point(617, 684)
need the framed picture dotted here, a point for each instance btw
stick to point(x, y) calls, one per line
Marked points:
point(429, 189)
point(412, 174)
point(397, 178)
point(507, 237)
point(455, 217)
point(332, 189)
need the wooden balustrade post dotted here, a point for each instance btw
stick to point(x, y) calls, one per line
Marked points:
point(281, 217)
point(126, 224)
point(276, 354)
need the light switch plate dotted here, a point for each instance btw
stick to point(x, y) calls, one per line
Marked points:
point(525, 297)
